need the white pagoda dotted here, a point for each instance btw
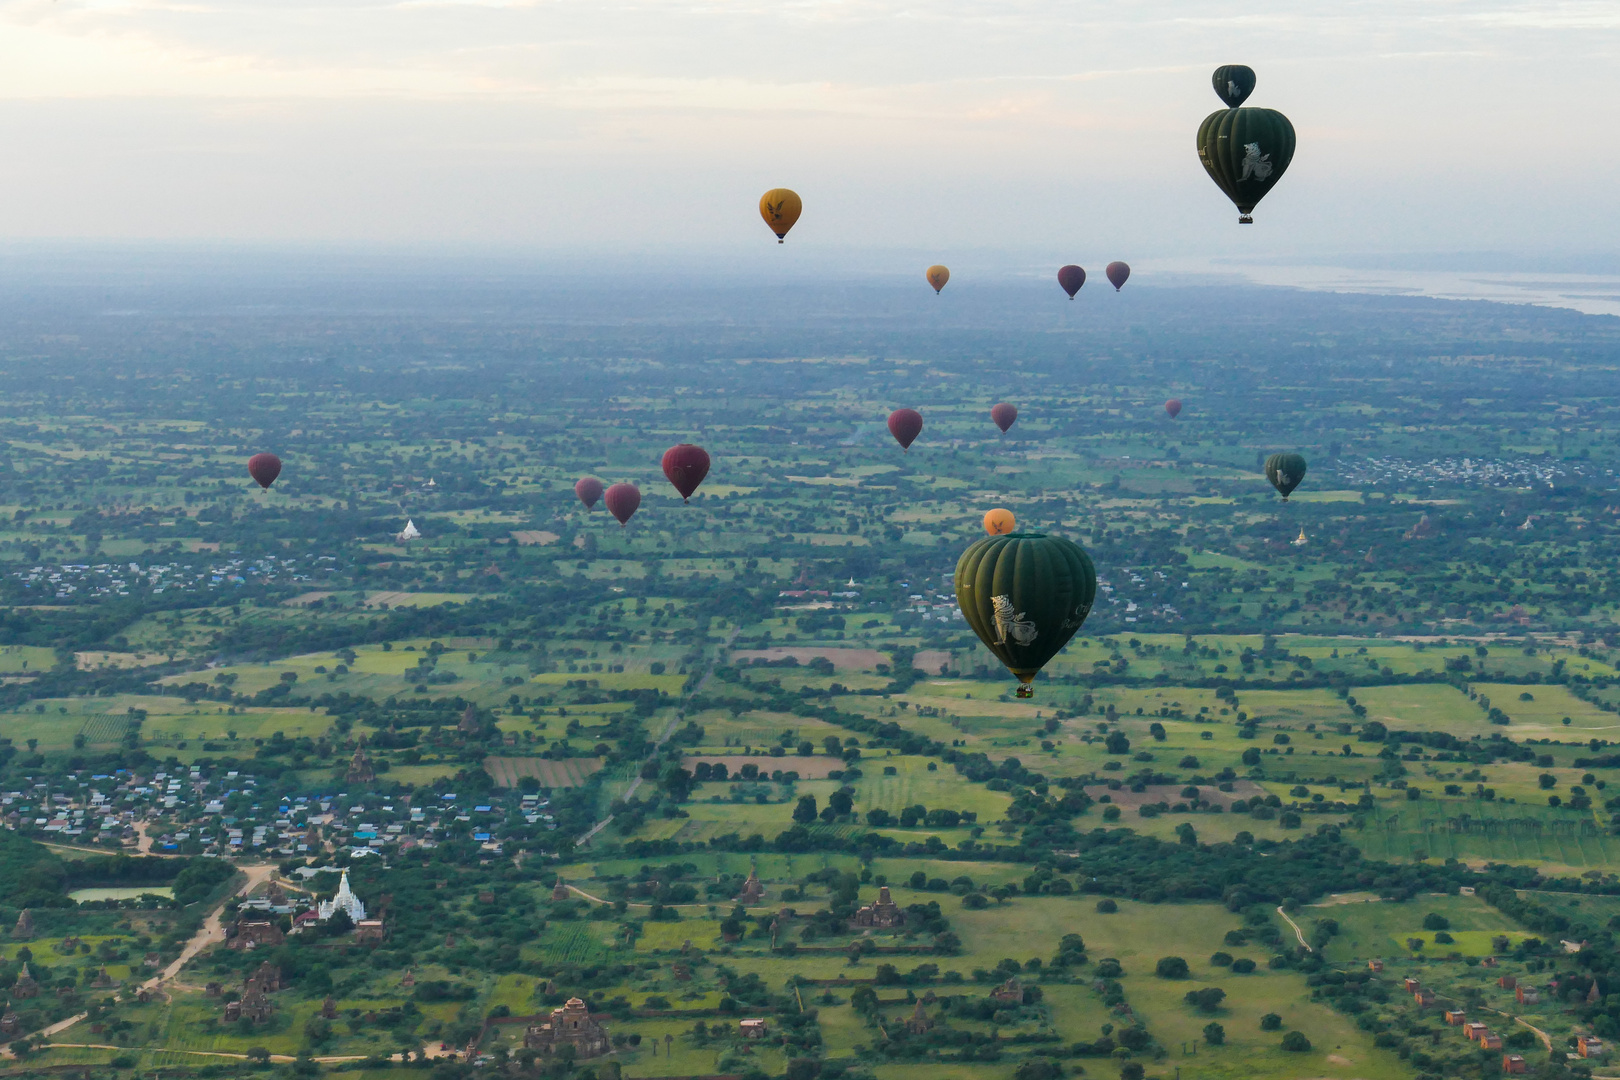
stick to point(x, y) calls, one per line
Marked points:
point(345, 901)
point(410, 532)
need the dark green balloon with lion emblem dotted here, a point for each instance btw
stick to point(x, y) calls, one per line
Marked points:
point(1025, 595)
point(1285, 471)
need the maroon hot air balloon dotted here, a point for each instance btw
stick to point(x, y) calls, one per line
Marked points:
point(264, 468)
point(589, 489)
point(1071, 277)
point(686, 466)
point(622, 501)
point(905, 425)
point(1173, 407)
point(1118, 273)
point(1004, 415)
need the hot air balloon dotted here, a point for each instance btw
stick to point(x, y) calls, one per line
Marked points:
point(905, 425)
point(1004, 415)
point(999, 522)
point(622, 501)
point(264, 468)
point(1233, 83)
point(1285, 471)
point(589, 489)
point(1118, 274)
point(780, 207)
point(937, 277)
point(1173, 407)
point(1071, 277)
point(1025, 595)
point(1245, 151)
point(686, 466)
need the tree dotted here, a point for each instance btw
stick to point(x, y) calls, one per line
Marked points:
point(1296, 1042)
point(1214, 1034)
point(803, 1069)
point(1206, 1000)
point(1251, 756)
point(864, 1001)
point(805, 812)
point(1131, 1070)
point(1270, 1022)
point(1171, 967)
point(1107, 906)
point(1435, 921)
point(1117, 743)
point(1186, 836)
point(879, 817)
point(1156, 730)
point(841, 801)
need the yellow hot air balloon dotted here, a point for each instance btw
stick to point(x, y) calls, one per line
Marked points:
point(938, 276)
point(999, 522)
point(780, 207)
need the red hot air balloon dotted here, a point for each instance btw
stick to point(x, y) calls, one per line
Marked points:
point(905, 425)
point(1004, 415)
point(1173, 407)
point(622, 501)
point(1118, 274)
point(686, 466)
point(264, 468)
point(589, 489)
point(1071, 277)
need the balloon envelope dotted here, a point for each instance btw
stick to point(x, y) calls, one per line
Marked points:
point(999, 522)
point(686, 466)
point(1173, 407)
point(1071, 277)
point(589, 489)
point(1285, 471)
point(1025, 595)
point(1004, 415)
point(264, 468)
point(1118, 274)
point(938, 276)
point(622, 501)
point(780, 207)
point(905, 425)
point(1233, 83)
point(1245, 151)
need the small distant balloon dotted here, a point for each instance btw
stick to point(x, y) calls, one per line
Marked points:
point(905, 425)
point(264, 468)
point(1004, 415)
point(1173, 407)
point(999, 522)
point(1071, 277)
point(686, 465)
point(1118, 274)
point(938, 276)
point(622, 501)
point(780, 207)
point(589, 489)
point(1233, 83)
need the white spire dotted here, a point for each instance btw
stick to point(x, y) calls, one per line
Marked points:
point(345, 901)
point(410, 532)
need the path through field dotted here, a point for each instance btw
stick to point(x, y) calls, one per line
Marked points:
point(669, 729)
point(1297, 931)
point(212, 929)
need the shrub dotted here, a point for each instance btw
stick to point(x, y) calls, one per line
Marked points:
point(1435, 921)
point(975, 901)
point(1131, 1070)
point(1242, 966)
point(1107, 907)
point(1214, 1034)
point(1206, 1000)
point(1270, 1022)
point(1171, 967)
point(1296, 1042)
point(1221, 959)
point(1443, 938)
point(1038, 1069)
point(1109, 968)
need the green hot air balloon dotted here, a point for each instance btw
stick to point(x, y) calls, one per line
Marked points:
point(1246, 151)
point(1285, 471)
point(1025, 594)
point(1233, 83)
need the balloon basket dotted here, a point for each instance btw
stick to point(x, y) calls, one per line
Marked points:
point(1245, 219)
point(1026, 691)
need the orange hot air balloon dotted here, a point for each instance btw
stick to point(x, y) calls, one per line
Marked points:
point(999, 522)
point(780, 207)
point(1004, 415)
point(1173, 407)
point(938, 276)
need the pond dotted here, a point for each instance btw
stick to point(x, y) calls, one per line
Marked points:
point(128, 892)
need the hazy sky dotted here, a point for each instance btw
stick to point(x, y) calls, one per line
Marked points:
point(1046, 128)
